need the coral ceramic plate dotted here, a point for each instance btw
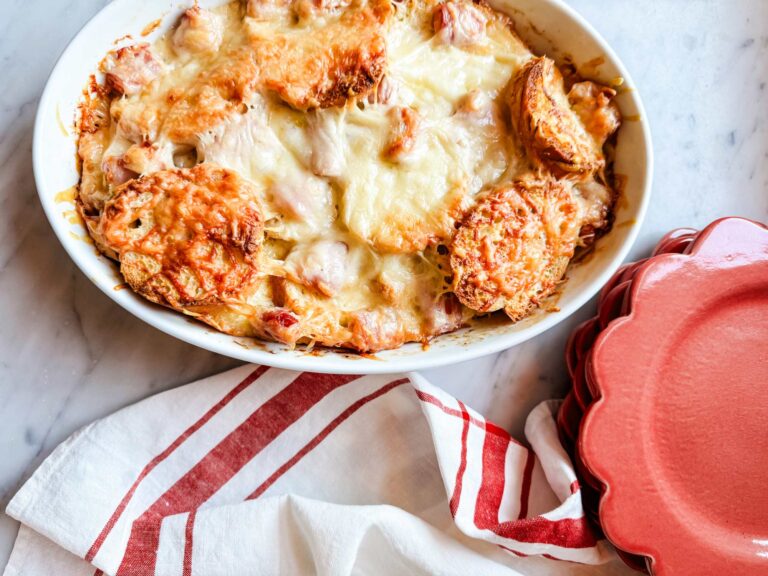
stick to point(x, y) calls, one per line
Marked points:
point(679, 434)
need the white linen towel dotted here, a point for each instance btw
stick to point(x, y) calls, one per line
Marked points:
point(267, 471)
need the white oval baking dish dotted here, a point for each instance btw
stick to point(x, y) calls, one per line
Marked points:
point(549, 26)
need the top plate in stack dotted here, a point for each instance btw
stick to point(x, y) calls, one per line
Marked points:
point(677, 435)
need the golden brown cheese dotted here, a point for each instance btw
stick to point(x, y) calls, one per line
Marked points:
point(595, 106)
point(355, 174)
point(217, 93)
point(324, 66)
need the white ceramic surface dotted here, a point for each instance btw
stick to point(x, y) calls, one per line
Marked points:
point(54, 150)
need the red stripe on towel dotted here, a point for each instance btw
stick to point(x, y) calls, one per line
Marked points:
point(525, 488)
point(309, 446)
point(566, 532)
point(223, 462)
point(515, 552)
point(492, 483)
point(210, 413)
point(456, 497)
point(489, 427)
point(188, 542)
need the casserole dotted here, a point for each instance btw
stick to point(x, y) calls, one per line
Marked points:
point(55, 174)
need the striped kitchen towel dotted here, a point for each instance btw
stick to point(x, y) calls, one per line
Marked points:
point(266, 471)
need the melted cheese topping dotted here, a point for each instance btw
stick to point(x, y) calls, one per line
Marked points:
point(357, 193)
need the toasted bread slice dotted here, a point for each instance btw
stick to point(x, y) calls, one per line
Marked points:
point(514, 247)
point(550, 131)
point(188, 238)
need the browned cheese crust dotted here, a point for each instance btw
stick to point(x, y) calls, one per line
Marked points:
point(216, 95)
point(187, 238)
point(548, 128)
point(93, 141)
point(513, 249)
point(595, 106)
point(326, 67)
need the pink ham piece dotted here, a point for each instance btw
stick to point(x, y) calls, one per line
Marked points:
point(321, 266)
point(459, 23)
point(131, 68)
point(199, 31)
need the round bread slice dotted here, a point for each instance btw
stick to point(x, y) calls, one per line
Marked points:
point(188, 239)
point(514, 247)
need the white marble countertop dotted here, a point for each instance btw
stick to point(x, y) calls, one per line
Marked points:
point(69, 355)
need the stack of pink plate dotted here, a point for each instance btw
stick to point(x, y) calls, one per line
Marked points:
point(667, 420)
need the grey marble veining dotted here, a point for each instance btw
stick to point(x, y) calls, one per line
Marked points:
point(68, 355)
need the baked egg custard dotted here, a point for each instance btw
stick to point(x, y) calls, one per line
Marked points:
point(353, 174)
